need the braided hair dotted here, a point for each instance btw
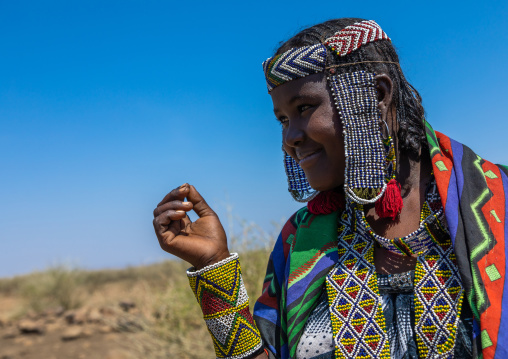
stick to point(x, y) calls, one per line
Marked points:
point(408, 102)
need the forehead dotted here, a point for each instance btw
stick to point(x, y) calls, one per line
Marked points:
point(312, 85)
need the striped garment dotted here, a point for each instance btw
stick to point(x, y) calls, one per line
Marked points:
point(473, 196)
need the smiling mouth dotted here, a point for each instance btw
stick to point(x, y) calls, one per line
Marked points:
point(308, 157)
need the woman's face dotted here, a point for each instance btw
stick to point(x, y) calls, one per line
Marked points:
point(311, 129)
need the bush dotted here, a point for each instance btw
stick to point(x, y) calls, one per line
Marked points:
point(58, 286)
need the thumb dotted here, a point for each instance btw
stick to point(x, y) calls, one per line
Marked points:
point(200, 206)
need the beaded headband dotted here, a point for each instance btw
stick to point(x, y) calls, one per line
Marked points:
point(370, 159)
point(304, 61)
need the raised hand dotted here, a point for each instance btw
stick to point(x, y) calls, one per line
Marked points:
point(200, 243)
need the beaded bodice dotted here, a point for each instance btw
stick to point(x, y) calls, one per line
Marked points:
point(359, 327)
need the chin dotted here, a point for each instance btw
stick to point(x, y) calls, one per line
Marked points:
point(322, 186)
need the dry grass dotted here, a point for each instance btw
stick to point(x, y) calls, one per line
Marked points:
point(173, 323)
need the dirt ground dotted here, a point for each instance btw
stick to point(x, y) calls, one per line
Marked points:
point(108, 332)
point(51, 346)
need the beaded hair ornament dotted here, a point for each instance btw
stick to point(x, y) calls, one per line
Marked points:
point(370, 159)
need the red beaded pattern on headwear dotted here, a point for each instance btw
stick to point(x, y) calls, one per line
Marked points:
point(352, 37)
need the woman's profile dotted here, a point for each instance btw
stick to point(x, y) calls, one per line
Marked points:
point(399, 251)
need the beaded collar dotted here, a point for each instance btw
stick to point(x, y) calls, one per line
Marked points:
point(432, 227)
point(358, 322)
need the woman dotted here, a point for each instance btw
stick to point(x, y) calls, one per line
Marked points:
point(400, 250)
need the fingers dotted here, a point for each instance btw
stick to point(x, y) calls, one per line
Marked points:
point(167, 217)
point(166, 234)
point(173, 205)
point(178, 194)
point(200, 206)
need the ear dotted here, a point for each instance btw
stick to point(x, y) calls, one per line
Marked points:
point(384, 87)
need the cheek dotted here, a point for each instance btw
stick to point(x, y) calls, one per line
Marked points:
point(328, 118)
point(331, 134)
point(334, 147)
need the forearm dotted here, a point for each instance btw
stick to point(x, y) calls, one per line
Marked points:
point(220, 291)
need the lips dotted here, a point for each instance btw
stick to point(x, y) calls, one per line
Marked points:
point(306, 157)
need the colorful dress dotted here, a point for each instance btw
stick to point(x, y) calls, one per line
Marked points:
point(472, 192)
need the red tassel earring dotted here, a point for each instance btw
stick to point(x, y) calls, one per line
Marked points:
point(390, 204)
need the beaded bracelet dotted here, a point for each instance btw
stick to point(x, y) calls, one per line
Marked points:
point(220, 292)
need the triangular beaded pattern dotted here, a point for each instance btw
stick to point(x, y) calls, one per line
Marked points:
point(358, 321)
point(221, 293)
point(438, 301)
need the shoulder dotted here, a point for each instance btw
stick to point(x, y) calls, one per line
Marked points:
point(298, 217)
point(288, 232)
point(292, 223)
point(311, 228)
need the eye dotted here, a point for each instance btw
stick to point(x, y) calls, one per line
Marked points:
point(302, 108)
point(283, 120)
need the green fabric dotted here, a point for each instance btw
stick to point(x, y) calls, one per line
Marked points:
point(316, 238)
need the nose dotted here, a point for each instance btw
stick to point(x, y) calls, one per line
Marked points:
point(293, 134)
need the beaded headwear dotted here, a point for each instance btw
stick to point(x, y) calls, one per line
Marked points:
point(370, 160)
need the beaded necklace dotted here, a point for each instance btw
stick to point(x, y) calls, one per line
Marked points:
point(357, 318)
point(432, 221)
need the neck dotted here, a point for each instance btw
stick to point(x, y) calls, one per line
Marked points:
point(414, 172)
point(413, 169)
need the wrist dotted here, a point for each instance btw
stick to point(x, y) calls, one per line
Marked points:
point(219, 257)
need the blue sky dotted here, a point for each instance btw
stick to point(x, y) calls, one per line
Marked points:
point(107, 105)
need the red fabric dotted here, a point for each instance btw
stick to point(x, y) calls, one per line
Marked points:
point(443, 177)
point(491, 318)
point(325, 203)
